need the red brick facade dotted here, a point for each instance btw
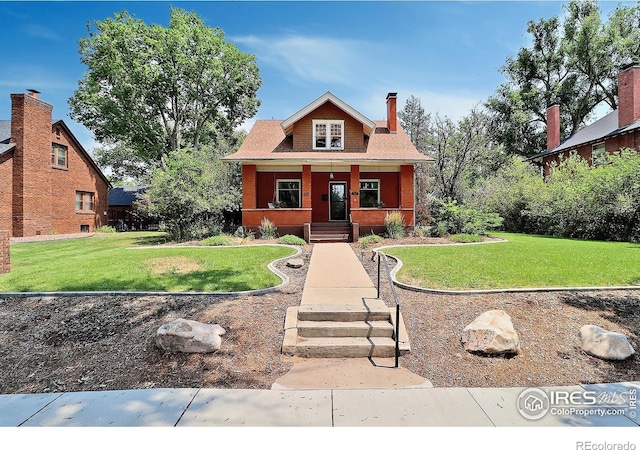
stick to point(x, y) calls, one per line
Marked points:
point(5, 248)
point(41, 199)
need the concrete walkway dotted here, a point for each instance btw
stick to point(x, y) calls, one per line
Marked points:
point(336, 274)
point(347, 392)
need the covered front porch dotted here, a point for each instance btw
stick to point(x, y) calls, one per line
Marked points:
point(300, 199)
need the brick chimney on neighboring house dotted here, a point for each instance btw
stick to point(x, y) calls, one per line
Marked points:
point(32, 185)
point(392, 119)
point(553, 126)
point(629, 95)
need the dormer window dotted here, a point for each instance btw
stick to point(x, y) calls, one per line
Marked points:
point(328, 134)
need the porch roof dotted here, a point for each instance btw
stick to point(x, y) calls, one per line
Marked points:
point(267, 142)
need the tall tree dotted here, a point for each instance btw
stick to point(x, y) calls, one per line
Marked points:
point(574, 63)
point(416, 123)
point(150, 90)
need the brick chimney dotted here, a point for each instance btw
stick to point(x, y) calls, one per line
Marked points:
point(31, 132)
point(392, 120)
point(553, 126)
point(629, 95)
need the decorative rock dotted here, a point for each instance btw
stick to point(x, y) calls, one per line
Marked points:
point(605, 344)
point(189, 336)
point(296, 263)
point(492, 333)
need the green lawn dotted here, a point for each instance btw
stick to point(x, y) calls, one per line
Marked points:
point(523, 261)
point(117, 262)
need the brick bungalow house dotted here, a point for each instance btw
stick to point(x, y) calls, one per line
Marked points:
point(618, 129)
point(48, 182)
point(327, 172)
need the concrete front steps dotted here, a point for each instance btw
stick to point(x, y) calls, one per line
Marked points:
point(343, 331)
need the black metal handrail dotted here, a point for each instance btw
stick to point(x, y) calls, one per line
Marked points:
point(395, 297)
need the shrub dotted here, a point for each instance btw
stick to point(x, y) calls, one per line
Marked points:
point(290, 239)
point(219, 240)
point(394, 221)
point(239, 233)
point(105, 229)
point(422, 231)
point(369, 240)
point(465, 238)
point(267, 229)
point(464, 219)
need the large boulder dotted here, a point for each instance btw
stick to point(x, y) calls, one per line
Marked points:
point(491, 333)
point(605, 344)
point(189, 336)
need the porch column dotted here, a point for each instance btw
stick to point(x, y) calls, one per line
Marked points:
point(354, 186)
point(306, 186)
point(407, 200)
point(249, 188)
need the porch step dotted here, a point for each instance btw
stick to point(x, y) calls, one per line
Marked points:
point(314, 329)
point(330, 232)
point(345, 347)
point(373, 311)
point(343, 331)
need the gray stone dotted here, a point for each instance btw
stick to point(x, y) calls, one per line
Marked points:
point(296, 263)
point(189, 336)
point(491, 333)
point(605, 344)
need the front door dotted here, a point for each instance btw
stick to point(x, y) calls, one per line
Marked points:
point(338, 200)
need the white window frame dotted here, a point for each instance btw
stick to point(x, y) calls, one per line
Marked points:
point(369, 180)
point(289, 180)
point(328, 124)
point(596, 159)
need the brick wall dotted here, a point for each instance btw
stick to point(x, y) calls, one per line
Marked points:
point(31, 131)
point(43, 195)
point(5, 246)
point(6, 192)
point(629, 96)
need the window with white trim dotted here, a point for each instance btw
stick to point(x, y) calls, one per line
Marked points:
point(288, 193)
point(328, 134)
point(598, 153)
point(369, 193)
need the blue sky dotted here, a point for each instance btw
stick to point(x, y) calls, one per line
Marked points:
point(446, 53)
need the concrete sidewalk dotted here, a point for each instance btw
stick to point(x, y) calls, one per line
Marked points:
point(469, 407)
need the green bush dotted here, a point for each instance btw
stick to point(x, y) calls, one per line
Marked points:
point(239, 233)
point(267, 229)
point(465, 238)
point(394, 222)
point(464, 218)
point(290, 239)
point(219, 240)
point(422, 231)
point(105, 229)
point(369, 240)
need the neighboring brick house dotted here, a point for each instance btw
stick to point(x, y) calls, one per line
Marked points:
point(48, 182)
point(327, 172)
point(618, 129)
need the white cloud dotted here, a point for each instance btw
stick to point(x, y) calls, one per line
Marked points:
point(328, 60)
point(39, 31)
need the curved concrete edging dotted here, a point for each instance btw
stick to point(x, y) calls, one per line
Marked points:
point(410, 287)
point(271, 266)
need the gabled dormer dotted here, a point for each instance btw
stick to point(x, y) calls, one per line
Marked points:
point(328, 124)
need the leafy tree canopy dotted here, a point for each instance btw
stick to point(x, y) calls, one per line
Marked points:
point(573, 62)
point(150, 90)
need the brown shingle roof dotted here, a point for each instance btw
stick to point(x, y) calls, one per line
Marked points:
point(267, 142)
